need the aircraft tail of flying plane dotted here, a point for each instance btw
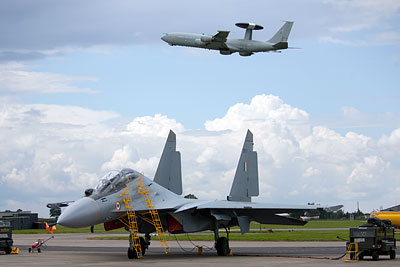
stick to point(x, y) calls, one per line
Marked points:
point(282, 35)
point(169, 173)
point(245, 183)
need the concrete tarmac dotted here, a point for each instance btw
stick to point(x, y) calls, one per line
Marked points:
point(78, 250)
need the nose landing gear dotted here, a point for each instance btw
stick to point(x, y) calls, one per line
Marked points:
point(144, 245)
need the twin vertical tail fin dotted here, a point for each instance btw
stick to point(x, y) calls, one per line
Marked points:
point(283, 34)
point(245, 183)
point(169, 174)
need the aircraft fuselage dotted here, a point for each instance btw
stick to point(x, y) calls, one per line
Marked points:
point(231, 45)
point(107, 205)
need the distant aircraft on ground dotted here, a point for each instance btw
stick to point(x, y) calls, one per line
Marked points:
point(104, 203)
point(220, 41)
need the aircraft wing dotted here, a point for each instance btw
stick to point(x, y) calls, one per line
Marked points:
point(248, 206)
point(221, 36)
point(245, 212)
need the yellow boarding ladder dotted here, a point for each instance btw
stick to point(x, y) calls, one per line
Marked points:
point(155, 218)
point(352, 253)
point(132, 221)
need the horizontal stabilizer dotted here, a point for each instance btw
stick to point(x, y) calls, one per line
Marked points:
point(281, 45)
point(245, 183)
point(169, 174)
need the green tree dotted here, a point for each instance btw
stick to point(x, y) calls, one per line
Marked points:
point(55, 211)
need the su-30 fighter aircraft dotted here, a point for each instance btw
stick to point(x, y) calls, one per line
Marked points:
point(120, 199)
point(220, 41)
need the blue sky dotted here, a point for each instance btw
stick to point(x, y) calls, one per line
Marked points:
point(77, 75)
point(320, 78)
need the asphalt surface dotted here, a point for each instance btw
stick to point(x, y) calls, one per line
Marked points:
point(78, 250)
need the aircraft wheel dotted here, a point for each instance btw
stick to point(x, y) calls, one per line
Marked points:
point(38, 250)
point(143, 245)
point(361, 256)
point(29, 250)
point(392, 254)
point(375, 255)
point(8, 250)
point(222, 246)
point(131, 253)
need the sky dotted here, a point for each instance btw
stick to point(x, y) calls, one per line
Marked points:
point(89, 86)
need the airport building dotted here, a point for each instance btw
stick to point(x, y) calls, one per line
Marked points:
point(20, 219)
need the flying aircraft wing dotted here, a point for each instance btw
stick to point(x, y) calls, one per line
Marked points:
point(221, 36)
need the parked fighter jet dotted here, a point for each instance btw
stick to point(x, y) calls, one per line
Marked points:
point(220, 41)
point(102, 204)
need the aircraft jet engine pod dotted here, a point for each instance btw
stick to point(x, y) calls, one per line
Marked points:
point(206, 39)
point(245, 47)
point(161, 198)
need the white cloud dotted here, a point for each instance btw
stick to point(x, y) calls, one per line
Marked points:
point(158, 125)
point(120, 159)
point(14, 79)
point(311, 172)
point(59, 155)
point(330, 39)
point(368, 172)
point(371, 10)
point(388, 38)
point(361, 22)
point(349, 28)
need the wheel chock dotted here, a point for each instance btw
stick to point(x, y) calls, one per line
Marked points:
point(200, 250)
point(14, 250)
point(230, 253)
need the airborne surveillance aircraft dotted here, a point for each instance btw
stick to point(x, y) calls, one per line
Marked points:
point(104, 202)
point(220, 41)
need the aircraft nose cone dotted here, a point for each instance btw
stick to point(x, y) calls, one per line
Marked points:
point(82, 213)
point(165, 38)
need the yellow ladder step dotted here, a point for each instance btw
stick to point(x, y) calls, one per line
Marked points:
point(142, 189)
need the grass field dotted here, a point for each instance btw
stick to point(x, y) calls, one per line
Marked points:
point(275, 236)
point(313, 224)
point(258, 235)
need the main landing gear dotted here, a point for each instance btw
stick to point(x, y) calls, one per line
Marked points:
point(221, 243)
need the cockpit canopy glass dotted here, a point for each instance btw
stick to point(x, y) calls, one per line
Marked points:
point(113, 181)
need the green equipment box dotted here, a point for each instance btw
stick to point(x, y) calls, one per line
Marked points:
point(374, 238)
point(6, 241)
